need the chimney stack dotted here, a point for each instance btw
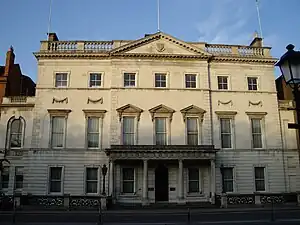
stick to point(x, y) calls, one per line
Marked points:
point(257, 41)
point(52, 37)
point(10, 61)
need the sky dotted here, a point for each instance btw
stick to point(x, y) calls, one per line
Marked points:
point(24, 23)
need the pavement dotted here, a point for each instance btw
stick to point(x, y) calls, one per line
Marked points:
point(238, 216)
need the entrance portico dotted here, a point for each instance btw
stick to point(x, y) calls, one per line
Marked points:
point(162, 173)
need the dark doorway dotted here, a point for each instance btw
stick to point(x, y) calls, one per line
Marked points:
point(161, 183)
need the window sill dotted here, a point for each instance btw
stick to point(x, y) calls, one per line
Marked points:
point(55, 194)
point(128, 195)
point(198, 194)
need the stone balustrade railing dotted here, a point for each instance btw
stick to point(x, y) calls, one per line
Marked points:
point(105, 46)
point(23, 100)
point(242, 51)
point(72, 46)
point(285, 104)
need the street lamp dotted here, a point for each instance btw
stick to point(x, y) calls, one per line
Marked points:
point(104, 172)
point(289, 65)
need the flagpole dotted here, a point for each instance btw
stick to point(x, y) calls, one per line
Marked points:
point(49, 20)
point(158, 15)
point(259, 21)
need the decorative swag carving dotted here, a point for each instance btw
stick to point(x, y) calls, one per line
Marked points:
point(100, 100)
point(129, 110)
point(161, 110)
point(193, 110)
point(225, 103)
point(259, 103)
point(55, 100)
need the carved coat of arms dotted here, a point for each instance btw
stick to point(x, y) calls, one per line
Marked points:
point(160, 47)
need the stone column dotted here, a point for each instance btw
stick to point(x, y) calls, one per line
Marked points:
point(180, 180)
point(145, 183)
point(111, 179)
point(213, 180)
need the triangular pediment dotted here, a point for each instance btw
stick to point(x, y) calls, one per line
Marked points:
point(192, 109)
point(161, 109)
point(160, 44)
point(129, 109)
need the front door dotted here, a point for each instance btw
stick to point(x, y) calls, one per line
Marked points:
point(161, 183)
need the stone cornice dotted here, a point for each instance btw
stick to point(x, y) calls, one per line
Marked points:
point(17, 105)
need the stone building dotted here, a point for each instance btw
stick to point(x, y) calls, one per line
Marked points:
point(174, 121)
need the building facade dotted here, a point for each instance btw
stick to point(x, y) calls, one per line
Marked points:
point(174, 121)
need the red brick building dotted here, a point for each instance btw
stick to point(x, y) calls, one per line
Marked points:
point(12, 81)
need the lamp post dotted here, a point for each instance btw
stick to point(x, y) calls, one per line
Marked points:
point(104, 172)
point(289, 65)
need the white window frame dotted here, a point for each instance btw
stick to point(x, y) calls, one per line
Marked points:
point(198, 127)
point(135, 78)
point(101, 79)
point(135, 120)
point(233, 176)
point(265, 178)
point(100, 123)
point(228, 82)
point(257, 80)
point(134, 180)
point(196, 80)
point(15, 178)
point(167, 128)
point(62, 72)
point(98, 179)
point(167, 79)
point(61, 183)
point(200, 192)
point(260, 116)
point(231, 128)
point(227, 115)
point(65, 131)
point(9, 133)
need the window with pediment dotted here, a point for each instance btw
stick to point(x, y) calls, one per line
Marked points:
point(193, 117)
point(129, 116)
point(161, 117)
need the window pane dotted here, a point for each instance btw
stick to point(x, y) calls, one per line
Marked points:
point(160, 124)
point(228, 186)
point(91, 187)
point(5, 177)
point(93, 124)
point(16, 126)
point(225, 126)
point(256, 125)
point(226, 140)
point(18, 177)
point(16, 140)
point(55, 186)
point(193, 174)
point(193, 186)
point(192, 125)
point(129, 79)
point(128, 186)
point(259, 173)
point(128, 173)
point(58, 128)
point(93, 140)
point(61, 79)
point(55, 173)
point(228, 174)
point(192, 139)
point(92, 173)
point(128, 124)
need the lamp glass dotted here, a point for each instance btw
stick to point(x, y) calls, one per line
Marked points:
point(285, 70)
point(295, 70)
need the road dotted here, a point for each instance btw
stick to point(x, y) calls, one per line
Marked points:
point(159, 217)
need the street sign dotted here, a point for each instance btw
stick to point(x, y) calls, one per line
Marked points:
point(294, 126)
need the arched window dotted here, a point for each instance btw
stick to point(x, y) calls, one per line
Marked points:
point(16, 132)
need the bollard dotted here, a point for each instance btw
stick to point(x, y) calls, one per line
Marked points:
point(189, 216)
point(14, 211)
point(272, 212)
point(100, 219)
